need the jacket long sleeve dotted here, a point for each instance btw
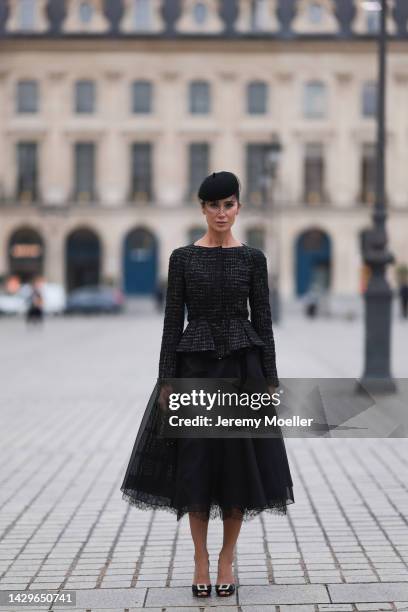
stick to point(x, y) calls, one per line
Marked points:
point(173, 316)
point(261, 315)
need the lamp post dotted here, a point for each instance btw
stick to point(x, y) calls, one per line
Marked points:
point(378, 296)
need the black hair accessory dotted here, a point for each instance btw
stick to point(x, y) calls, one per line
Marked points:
point(218, 186)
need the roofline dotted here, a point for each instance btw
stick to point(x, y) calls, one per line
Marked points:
point(76, 43)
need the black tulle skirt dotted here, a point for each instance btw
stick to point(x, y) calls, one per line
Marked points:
point(224, 477)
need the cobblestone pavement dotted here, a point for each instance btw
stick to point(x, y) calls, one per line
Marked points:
point(72, 396)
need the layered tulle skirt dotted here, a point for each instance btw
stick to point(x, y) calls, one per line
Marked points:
point(227, 477)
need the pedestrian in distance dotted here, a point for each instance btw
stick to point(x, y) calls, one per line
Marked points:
point(35, 310)
point(403, 296)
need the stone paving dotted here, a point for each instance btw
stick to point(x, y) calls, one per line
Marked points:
point(71, 398)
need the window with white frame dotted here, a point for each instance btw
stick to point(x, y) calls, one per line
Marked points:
point(257, 10)
point(257, 16)
point(315, 12)
point(26, 14)
point(27, 96)
point(199, 98)
point(367, 17)
point(142, 93)
point(255, 237)
point(142, 14)
point(368, 173)
point(84, 168)
point(85, 96)
point(315, 16)
point(372, 13)
point(198, 166)
point(85, 12)
point(199, 16)
point(27, 171)
point(141, 172)
point(200, 13)
point(314, 192)
point(314, 100)
point(85, 16)
point(369, 99)
point(259, 179)
point(257, 98)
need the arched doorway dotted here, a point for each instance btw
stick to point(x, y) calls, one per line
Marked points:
point(195, 233)
point(83, 259)
point(313, 261)
point(25, 254)
point(139, 262)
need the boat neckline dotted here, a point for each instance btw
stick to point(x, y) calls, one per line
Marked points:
point(200, 246)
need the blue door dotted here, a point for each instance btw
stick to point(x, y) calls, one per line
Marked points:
point(313, 261)
point(139, 262)
point(83, 259)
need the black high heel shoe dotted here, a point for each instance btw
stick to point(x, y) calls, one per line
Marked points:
point(202, 589)
point(225, 589)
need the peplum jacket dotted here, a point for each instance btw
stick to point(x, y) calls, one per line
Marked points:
point(215, 284)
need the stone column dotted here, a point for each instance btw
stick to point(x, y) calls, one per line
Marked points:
point(113, 155)
point(397, 147)
point(169, 175)
point(285, 106)
point(226, 154)
point(289, 232)
point(111, 265)
point(54, 234)
point(56, 179)
point(343, 157)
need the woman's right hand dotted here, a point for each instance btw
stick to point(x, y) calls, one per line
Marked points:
point(164, 396)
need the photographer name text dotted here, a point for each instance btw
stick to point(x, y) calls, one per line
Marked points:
point(205, 421)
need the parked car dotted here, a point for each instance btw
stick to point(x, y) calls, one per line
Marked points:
point(55, 298)
point(53, 294)
point(12, 303)
point(95, 299)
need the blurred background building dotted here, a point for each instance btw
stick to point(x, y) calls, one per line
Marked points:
point(113, 111)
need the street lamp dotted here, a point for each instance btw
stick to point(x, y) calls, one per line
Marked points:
point(378, 296)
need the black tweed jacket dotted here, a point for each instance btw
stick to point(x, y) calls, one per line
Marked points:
point(215, 284)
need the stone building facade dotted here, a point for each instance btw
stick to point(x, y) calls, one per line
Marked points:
point(111, 112)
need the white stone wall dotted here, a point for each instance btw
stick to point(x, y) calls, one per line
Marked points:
point(228, 66)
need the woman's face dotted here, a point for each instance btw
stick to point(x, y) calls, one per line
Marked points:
point(221, 214)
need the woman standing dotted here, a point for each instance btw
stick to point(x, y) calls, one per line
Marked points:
point(234, 478)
